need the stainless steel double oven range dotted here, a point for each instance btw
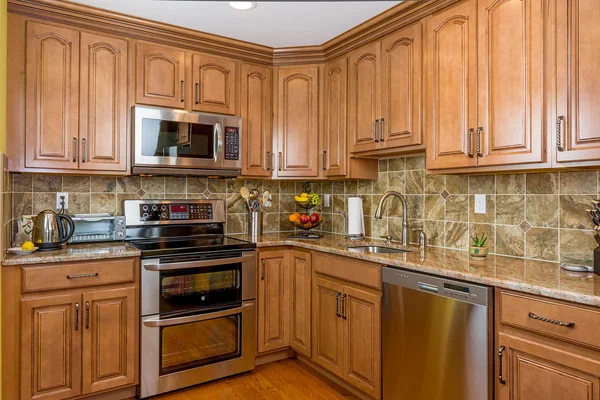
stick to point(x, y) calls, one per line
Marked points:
point(198, 293)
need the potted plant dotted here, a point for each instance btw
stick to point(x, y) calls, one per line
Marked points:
point(478, 249)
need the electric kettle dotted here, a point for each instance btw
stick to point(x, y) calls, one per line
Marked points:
point(50, 230)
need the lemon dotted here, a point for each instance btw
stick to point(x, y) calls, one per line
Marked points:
point(27, 246)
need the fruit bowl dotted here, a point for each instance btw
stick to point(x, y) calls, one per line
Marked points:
point(309, 225)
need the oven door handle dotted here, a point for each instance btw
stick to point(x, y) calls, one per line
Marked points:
point(198, 264)
point(159, 323)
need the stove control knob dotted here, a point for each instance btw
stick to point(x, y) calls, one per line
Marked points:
point(145, 208)
point(154, 208)
point(120, 222)
point(163, 208)
point(163, 215)
point(145, 215)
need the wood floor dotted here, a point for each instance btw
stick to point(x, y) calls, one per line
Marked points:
point(286, 379)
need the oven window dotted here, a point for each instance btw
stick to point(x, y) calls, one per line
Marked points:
point(200, 343)
point(177, 139)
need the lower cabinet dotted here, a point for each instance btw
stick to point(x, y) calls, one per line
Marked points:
point(300, 301)
point(328, 327)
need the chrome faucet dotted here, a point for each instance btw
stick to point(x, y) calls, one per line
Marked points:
point(379, 210)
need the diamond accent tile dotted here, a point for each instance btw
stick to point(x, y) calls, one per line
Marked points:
point(206, 193)
point(524, 226)
point(141, 192)
point(445, 194)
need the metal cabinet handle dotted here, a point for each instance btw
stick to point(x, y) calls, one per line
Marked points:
point(344, 306)
point(197, 93)
point(469, 142)
point(552, 321)
point(182, 91)
point(93, 274)
point(76, 315)
point(87, 315)
point(337, 304)
point(324, 156)
point(83, 150)
point(268, 160)
point(559, 124)
point(74, 149)
point(500, 378)
point(262, 273)
point(479, 130)
point(279, 161)
point(375, 131)
point(381, 139)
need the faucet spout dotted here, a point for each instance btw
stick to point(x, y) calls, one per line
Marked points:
point(379, 211)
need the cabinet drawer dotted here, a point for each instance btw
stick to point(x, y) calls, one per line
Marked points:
point(525, 312)
point(78, 274)
point(345, 268)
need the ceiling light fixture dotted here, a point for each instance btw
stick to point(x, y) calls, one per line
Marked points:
point(243, 5)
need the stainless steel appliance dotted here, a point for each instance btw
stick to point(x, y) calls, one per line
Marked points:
point(51, 230)
point(198, 294)
point(437, 338)
point(98, 228)
point(170, 141)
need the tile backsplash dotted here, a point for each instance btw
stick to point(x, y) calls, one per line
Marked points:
point(532, 215)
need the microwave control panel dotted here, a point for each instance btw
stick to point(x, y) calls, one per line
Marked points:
point(232, 143)
point(176, 212)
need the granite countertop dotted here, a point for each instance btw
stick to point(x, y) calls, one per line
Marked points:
point(74, 252)
point(536, 277)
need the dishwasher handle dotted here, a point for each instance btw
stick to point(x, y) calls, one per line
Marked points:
point(428, 287)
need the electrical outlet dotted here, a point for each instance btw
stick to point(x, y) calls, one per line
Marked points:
point(480, 204)
point(58, 200)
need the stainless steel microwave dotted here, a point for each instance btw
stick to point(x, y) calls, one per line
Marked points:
point(168, 141)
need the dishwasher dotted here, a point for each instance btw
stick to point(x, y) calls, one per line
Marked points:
point(437, 338)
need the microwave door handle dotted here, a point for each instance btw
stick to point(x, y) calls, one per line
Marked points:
point(198, 264)
point(158, 323)
point(218, 141)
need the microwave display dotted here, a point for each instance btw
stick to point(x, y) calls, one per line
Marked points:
point(177, 139)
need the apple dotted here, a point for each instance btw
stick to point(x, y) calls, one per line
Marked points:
point(304, 219)
point(314, 218)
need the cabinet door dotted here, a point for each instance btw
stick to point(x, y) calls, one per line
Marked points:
point(257, 143)
point(160, 75)
point(273, 301)
point(300, 301)
point(364, 90)
point(511, 81)
point(451, 82)
point(51, 347)
point(534, 371)
point(328, 327)
point(298, 122)
point(103, 107)
point(52, 93)
point(402, 87)
point(214, 81)
point(109, 339)
point(336, 136)
point(362, 340)
point(577, 81)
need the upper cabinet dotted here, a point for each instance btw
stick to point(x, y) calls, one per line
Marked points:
point(577, 120)
point(334, 154)
point(214, 80)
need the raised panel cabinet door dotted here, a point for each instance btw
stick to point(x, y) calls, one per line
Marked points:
point(298, 122)
point(103, 103)
point(511, 128)
point(256, 104)
point(364, 98)
point(336, 103)
point(577, 81)
point(273, 301)
point(361, 312)
point(300, 301)
point(160, 76)
point(214, 80)
point(328, 326)
point(402, 87)
point(531, 370)
point(451, 58)
point(52, 97)
point(51, 347)
point(109, 321)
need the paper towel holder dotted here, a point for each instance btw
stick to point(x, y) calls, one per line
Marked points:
point(348, 236)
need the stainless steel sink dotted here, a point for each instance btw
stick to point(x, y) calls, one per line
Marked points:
point(376, 249)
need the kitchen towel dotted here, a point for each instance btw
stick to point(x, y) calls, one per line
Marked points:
point(356, 218)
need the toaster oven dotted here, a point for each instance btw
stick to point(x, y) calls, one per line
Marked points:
point(98, 228)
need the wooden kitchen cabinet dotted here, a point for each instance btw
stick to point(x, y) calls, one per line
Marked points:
point(160, 75)
point(300, 301)
point(298, 122)
point(256, 111)
point(214, 81)
point(577, 137)
point(273, 301)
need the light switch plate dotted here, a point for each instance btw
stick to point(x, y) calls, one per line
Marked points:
point(480, 204)
point(326, 200)
point(58, 196)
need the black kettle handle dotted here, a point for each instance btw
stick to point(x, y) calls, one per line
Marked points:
point(65, 236)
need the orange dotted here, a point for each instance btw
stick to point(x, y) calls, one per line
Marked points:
point(294, 217)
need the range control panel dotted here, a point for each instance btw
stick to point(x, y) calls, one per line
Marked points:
point(141, 212)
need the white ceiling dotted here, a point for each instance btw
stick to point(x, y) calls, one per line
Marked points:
point(275, 24)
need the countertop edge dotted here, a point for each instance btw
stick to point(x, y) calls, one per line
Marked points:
point(96, 252)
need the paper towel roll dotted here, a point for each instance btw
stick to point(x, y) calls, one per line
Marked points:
point(356, 219)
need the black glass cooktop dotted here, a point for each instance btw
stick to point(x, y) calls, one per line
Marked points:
point(193, 244)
